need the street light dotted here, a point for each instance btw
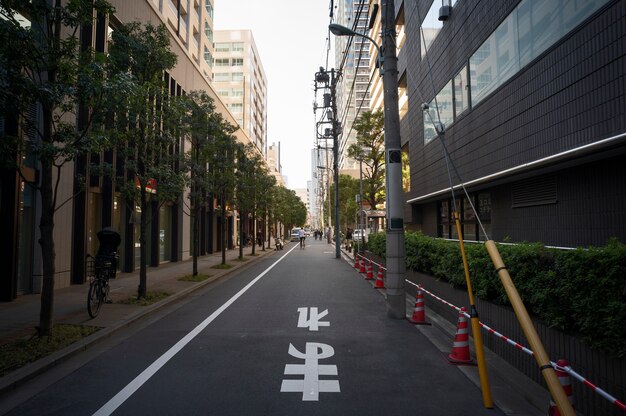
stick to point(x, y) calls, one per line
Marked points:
point(339, 30)
point(395, 250)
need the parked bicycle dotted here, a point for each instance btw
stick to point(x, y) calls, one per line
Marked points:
point(100, 269)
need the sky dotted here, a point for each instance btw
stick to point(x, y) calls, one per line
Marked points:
point(291, 38)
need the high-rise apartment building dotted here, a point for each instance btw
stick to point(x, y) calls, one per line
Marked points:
point(352, 55)
point(273, 163)
point(240, 82)
point(192, 21)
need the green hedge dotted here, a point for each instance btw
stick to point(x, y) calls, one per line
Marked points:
point(581, 292)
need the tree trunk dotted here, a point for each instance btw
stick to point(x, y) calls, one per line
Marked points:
point(46, 223)
point(196, 239)
point(241, 239)
point(254, 232)
point(46, 241)
point(143, 276)
point(224, 230)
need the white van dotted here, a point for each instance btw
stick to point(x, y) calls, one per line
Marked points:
point(356, 235)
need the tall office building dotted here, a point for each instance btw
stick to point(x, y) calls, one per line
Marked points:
point(352, 54)
point(528, 97)
point(240, 81)
point(101, 204)
point(273, 163)
point(192, 22)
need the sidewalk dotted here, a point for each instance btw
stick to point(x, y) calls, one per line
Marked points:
point(19, 317)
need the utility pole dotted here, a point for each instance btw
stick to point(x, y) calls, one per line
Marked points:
point(335, 132)
point(396, 268)
point(329, 79)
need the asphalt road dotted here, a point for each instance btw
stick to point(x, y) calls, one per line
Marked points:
point(255, 344)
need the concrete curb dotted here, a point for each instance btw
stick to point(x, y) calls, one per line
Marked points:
point(20, 376)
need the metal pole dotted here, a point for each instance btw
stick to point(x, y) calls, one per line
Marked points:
point(361, 248)
point(328, 238)
point(333, 92)
point(539, 352)
point(483, 375)
point(396, 268)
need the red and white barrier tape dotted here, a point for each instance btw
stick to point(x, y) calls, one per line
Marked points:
point(592, 386)
point(519, 346)
point(372, 261)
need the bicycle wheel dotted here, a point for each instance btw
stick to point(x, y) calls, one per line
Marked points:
point(94, 298)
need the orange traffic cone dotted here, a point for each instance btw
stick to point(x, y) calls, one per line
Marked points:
point(419, 312)
point(566, 382)
point(369, 275)
point(356, 262)
point(362, 268)
point(380, 282)
point(460, 348)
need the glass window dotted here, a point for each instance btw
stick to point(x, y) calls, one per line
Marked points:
point(235, 107)
point(207, 57)
point(439, 111)
point(542, 23)
point(208, 32)
point(430, 27)
point(237, 61)
point(165, 233)
point(496, 60)
point(222, 62)
point(444, 219)
point(461, 92)
point(238, 47)
point(222, 47)
point(533, 27)
point(209, 8)
point(221, 77)
point(237, 76)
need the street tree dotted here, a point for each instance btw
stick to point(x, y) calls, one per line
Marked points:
point(348, 208)
point(45, 76)
point(222, 159)
point(243, 196)
point(289, 209)
point(146, 126)
point(264, 183)
point(250, 170)
point(200, 124)
point(370, 148)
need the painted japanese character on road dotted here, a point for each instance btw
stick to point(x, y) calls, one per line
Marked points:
point(310, 386)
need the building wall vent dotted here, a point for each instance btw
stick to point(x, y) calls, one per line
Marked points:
point(530, 192)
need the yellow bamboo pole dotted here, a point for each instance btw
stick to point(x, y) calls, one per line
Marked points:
point(476, 334)
point(557, 392)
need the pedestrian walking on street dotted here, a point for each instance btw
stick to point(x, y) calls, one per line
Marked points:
point(302, 236)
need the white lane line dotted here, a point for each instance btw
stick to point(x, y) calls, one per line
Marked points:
point(117, 400)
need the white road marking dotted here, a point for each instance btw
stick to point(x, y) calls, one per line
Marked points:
point(311, 386)
point(313, 323)
point(117, 400)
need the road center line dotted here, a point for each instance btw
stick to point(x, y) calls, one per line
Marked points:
point(117, 400)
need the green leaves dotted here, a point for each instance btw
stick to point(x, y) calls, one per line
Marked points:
point(580, 291)
point(370, 148)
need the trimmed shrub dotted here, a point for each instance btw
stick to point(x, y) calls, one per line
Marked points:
point(581, 292)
